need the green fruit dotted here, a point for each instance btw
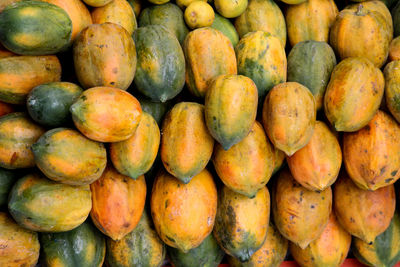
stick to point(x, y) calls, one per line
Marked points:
point(83, 246)
point(226, 27)
point(48, 104)
point(155, 109)
point(160, 71)
point(7, 179)
point(35, 28)
point(208, 254)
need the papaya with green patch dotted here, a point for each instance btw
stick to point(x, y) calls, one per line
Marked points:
point(141, 247)
point(48, 104)
point(49, 28)
point(17, 134)
point(207, 254)
point(261, 57)
point(186, 145)
point(183, 214)
point(392, 88)
point(118, 203)
point(19, 246)
point(42, 205)
point(135, 156)
point(225, 26)
point(106, 114)
point(160, 72)
point(230, 108)
point(66, 156)
point(241, 224)
point(19, 75)
point(156, 109)
point(83, 246)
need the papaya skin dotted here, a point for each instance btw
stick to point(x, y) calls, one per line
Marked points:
point(394, 49)
point(392, 88)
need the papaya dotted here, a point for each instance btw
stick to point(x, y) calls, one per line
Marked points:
point(186, 145)
point(178, 224)
point(392, 88)
point(41, 205)
point(329, 249)
point(19, 75)
point(361, 33)
point(279, 160)
point(384, 251)
point(230, 108)
point(83, 246)
point(156, 109)
point(17, 134)
point(204, 64)
point(141, 247)
point(371, 155)
point(247, 166)
point(362, 213)
point(261, 57)
point(299, 214)
point(49, 28)
point(160, 72)
point(7, 179)
point(289, 115)
point(317, 165)
point(97, 3)
point(225, 26)
point(66, 156)
point(48, 104)
point(311, 63)
point(6, 3)
point(168, 15)
point(394, 50)
point(18, 246)
point(241, 224)
point(77, 12)
point(136, 6)
point(117, 11)
point(310, 20)
point(105, 55)
point(106, 114)
point(271, 254)
point(349, 105)
point(118, 203)
point(135, 156)
point(207, 254)
point(262, 15)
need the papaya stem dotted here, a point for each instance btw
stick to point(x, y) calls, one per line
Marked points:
point(359, 10)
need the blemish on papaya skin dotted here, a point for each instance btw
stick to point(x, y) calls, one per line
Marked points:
point(393, 173)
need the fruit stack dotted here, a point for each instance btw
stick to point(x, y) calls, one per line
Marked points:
point(132, 132)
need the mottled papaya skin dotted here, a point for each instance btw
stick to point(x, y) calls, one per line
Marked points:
point(230, 108)
point(262, 15)
point(66, 156)
point(118, 203)
point(42, 205)
point(19, 75)
point(184, 214)
point(97, 3)
point(241, 224)
point(310, 20)
point(204, 64)
point(350, 104)
point(271, 254)
point(141, 247)
point(394, 50)
point(105, 55)
point(18, 246)
point(17, 134)
point(117, 11)
point(361, 33)
point(261, 57)
point(329, 249)
point(78, 13)
point(135, 156)
point(371, 155)
point(317, 165)
point(362, 213)
point(289, 115)
point(385, 251)
point(186, 145)
point(247, 166)
point(311, 63)
point(299, 214)
point(106, 114)
point(168, 15)
point(392, 88)
point(83, 246)
point(207, 254)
